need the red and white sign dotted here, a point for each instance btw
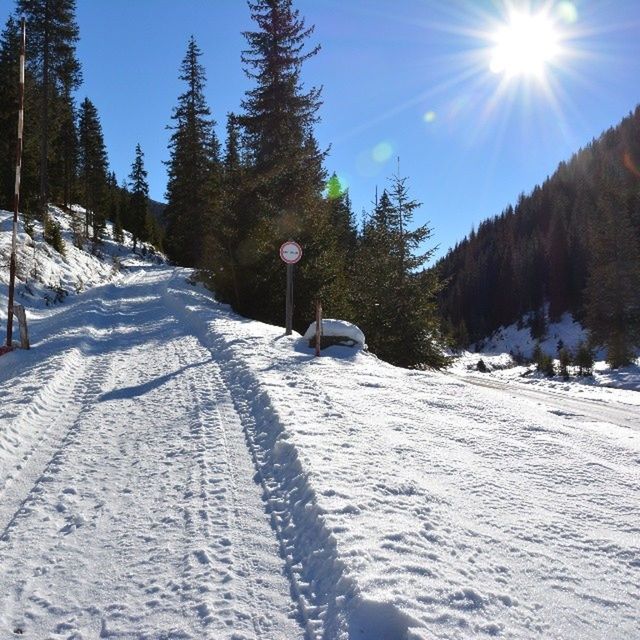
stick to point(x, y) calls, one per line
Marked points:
point(291, 252)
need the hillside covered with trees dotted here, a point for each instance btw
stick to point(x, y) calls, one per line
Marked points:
point(229, 205)
point(64, 154)
point(572, 245)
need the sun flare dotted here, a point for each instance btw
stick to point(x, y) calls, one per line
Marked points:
point(524, 46)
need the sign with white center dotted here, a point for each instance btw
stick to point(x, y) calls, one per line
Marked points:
point(291, 252)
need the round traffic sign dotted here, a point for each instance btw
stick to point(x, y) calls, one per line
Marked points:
point(291, 252)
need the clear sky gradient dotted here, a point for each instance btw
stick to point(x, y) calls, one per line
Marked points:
point(407, 78)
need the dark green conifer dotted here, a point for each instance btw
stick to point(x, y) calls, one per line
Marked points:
point(51, 56)
point(584, 360)
point(285, 177)
point(613, 287)
point(193, 185)
point(138, 201)
point(397, 295)
point(93, 169)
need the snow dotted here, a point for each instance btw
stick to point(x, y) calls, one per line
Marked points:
point(171, 470)
point(518, 341)
point(337, 329)
point(502, 351)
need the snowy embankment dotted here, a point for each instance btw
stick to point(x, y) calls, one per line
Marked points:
point(408, 501)
point(149, 429)
point(45, 277)
point(500, 351)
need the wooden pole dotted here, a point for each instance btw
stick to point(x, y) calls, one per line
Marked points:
point(318, 327)
point(16, 199)
point(289, 301)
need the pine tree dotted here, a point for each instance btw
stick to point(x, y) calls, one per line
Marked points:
point(9, 48)
point(93, 170)
point(52, 234)
point(9, 74)
point(118, 231)
point(285, 176)
point(374, 286)
point(233, 223)
point(398, 297)
point(341, 215)
point(53, 33)
point(192, 168)
point(113, 197)
point(564, 361)
point(584, 360)
point(279, 115)
point(138, 203)
point(65, 155)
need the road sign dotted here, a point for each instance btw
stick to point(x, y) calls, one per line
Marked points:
point(291, 252)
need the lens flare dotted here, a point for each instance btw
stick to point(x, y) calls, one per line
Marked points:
point(382, 152)
point(630, 164)
point(567, 12)
point(429, 117)
point(336, 187)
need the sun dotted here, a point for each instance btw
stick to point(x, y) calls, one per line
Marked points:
point(524, 46)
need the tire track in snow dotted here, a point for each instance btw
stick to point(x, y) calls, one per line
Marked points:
point(320, 583)
point(53, 415)
point(25, 496)
point(142, 515)
point(619, 414)
point(222, 454)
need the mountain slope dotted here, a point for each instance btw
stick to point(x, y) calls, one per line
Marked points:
point(558, 246)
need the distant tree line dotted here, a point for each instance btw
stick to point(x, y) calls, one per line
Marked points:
point(572, 245)
point(64, 154)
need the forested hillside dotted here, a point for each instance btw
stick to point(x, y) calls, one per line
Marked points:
point(572, 244)
point(232, 203)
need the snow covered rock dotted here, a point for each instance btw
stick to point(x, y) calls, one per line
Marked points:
point(337, 332)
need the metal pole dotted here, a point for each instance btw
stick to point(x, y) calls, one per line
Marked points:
point(16, 199)
point(289, 302)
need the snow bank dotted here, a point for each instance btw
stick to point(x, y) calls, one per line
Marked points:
point(410, 505)
point(503, 350)
point(518, 341)
point(46, 278)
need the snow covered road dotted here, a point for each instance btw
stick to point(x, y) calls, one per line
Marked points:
point(609, 411)
point(170, 470)
point(127, 502)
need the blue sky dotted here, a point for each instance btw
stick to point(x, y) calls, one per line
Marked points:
point(407, 78)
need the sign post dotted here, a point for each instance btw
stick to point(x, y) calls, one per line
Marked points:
point(290, 254)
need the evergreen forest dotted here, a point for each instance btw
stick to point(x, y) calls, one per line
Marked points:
point(570, 246)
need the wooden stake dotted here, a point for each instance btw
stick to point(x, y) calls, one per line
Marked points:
point(318, 327)
point(16, 199)
point(21, 314)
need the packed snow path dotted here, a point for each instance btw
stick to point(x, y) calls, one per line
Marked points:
point(128, 507)
point(145, 435)
point(610, 411)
